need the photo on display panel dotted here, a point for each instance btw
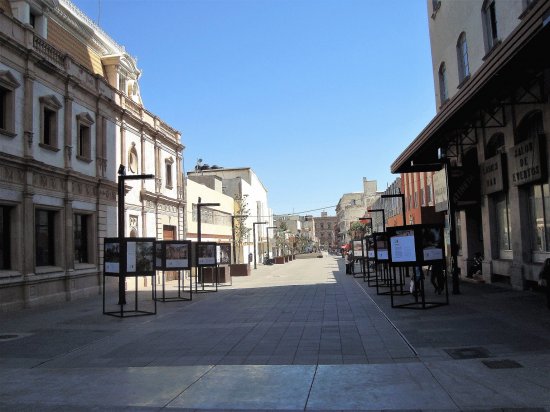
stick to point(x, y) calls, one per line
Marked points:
point(206, 253)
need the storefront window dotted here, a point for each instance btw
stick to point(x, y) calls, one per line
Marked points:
point(502, 213)
point(539, 205)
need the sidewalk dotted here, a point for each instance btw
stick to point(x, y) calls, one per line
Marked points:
point(299, 336)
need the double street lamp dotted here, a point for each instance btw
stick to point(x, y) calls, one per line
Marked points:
point(254, 238)
point(445, 163)
point(121, 226)
point(199, 206)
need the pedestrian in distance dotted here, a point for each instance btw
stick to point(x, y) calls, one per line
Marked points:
point(348, 259)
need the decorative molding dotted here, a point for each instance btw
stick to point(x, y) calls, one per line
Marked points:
point(12, 175)
point(48, 182)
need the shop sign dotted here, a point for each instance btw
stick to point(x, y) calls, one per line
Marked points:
point(492, 174)
point(440, 190)
point(464, 183)
point(526, 163)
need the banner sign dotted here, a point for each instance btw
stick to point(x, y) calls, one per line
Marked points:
point(493, 174)
point(526, 163)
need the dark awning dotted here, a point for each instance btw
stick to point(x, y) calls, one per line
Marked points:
point(524, 50)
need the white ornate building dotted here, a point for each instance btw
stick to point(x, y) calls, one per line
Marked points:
point(70, 114)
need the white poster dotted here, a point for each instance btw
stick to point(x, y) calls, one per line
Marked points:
point(433, 254)
point(403, 246)
point(382, 254)
point(131, 257)
point(111, 267)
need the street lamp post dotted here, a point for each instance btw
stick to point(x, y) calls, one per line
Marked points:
point(267, 231)
point(254, 238)
point(383, 217)
point(121, 225)
point(402, 197)
point(233, 234)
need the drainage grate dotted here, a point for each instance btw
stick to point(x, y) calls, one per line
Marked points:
point(468, 353)
point(502, 364)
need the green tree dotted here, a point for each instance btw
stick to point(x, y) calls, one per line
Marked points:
point(241, 230)
point(357, 230)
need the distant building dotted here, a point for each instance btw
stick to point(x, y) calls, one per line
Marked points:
point(243, 183)
point(325, 230)
point(353, 206)
point(215, 220)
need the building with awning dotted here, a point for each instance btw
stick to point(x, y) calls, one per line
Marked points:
point(492, 82)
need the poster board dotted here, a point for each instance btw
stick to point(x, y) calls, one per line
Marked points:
point(416, 244)
point(369, 246)
point(357, 249)
point(173, 255)
point(140, 256)
point(223, 253)
point(206, 253)
point(402, 244)
point(112, 253)
point(381, 249)
point(432, 243)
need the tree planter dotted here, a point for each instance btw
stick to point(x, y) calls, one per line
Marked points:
point(239, 269)
point(279, 260)
point(209, 274)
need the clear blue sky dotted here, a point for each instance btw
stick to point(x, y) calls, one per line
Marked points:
point(313, 95)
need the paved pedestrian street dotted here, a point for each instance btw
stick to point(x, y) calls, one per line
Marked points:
point(298, 336)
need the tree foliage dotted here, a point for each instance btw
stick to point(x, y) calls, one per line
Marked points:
point(241, 230)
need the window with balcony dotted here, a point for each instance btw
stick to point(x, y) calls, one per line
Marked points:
point(84, 136)
point(490, 24)
point(49, 108)
point(462, 58)
point(168, 172)
point(8, 84)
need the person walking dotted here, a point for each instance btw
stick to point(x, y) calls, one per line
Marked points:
point(348, 259)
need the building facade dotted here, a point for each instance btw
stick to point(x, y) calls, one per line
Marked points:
point(490, 69)
point(243, 185)
point(215, 220)
point(70, 115)
point(325, 231)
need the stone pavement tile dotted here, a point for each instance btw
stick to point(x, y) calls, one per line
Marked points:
point(355, 359)
point(472, 384)
point(249, 387)
point(396, 386)
point(102, 387)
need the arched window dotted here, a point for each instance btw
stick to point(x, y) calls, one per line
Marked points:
point(495, 145)
point(443, 91)
point(462, 57)
point(529, 127)
point(490, 24)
